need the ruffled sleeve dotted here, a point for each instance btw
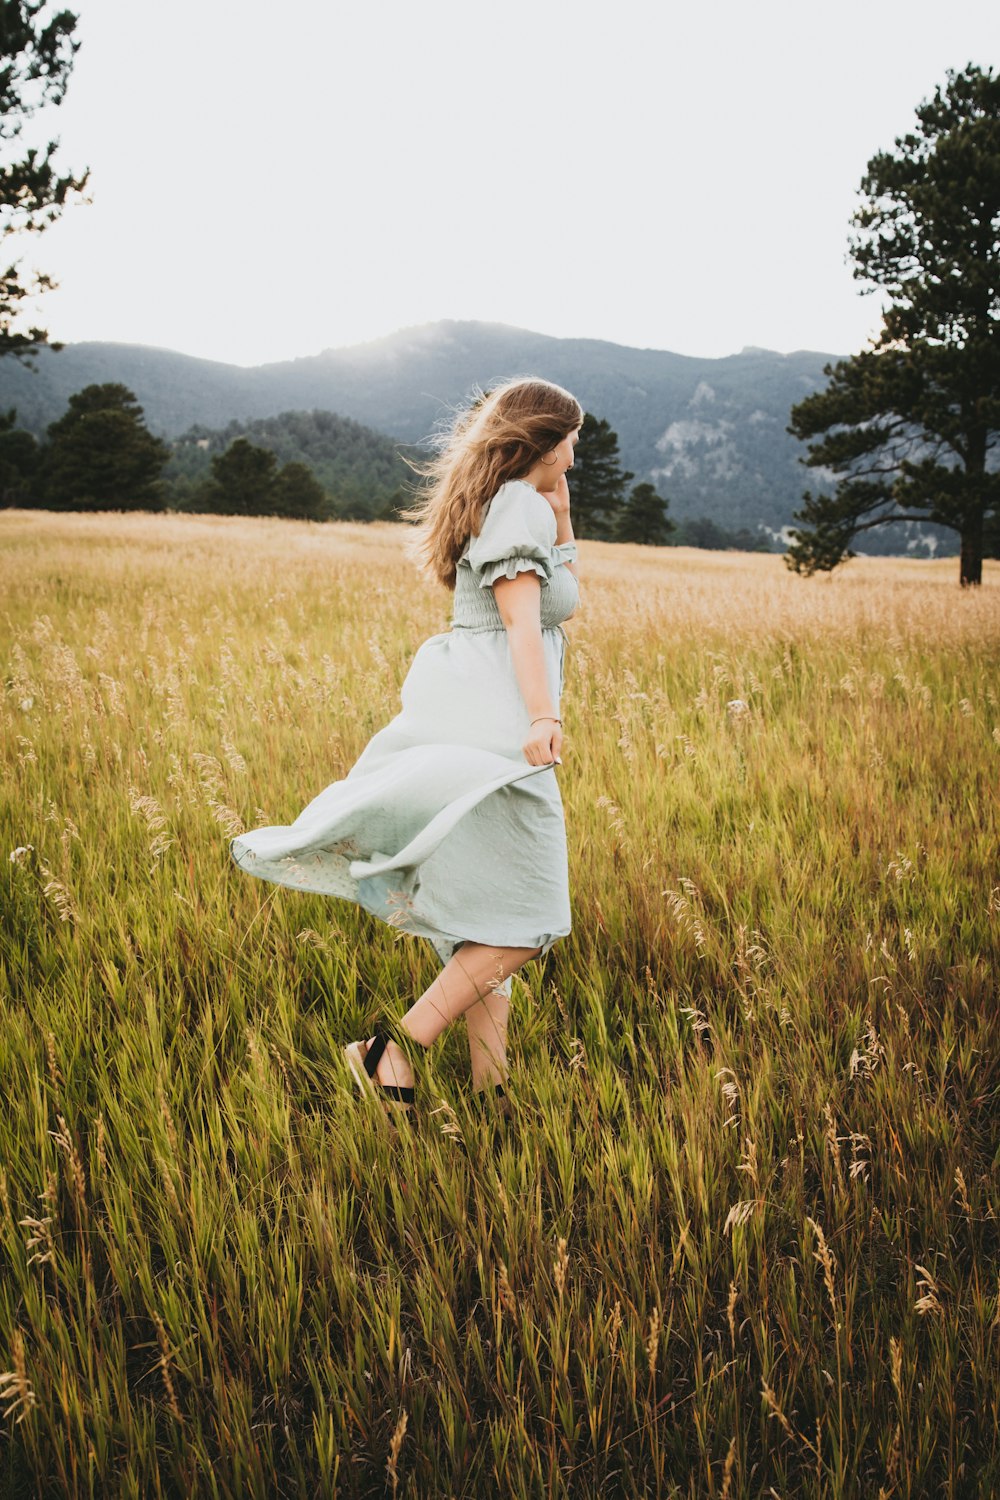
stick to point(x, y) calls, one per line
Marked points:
point(518, 536)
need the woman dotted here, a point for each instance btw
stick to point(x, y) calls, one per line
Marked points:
point(450, 824)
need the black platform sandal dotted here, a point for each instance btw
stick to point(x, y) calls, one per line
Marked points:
point(397, 1099)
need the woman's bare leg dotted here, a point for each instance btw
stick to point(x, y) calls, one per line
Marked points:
point(473, 971)
point(487, 1026)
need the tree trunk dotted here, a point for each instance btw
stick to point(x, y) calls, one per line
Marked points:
point(971, 562)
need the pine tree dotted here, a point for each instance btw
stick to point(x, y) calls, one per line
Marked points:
point(703, 532)
point(644, 518)
point(298, 493)
point(910, 427)
point(243, 481)
point(101, 455)
point(37, 49)
point(19, 461)
point(597, 482)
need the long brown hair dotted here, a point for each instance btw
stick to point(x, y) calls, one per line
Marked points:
point(500, 436)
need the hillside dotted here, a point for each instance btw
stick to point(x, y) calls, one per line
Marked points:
point(709, 432)
point(360, 469)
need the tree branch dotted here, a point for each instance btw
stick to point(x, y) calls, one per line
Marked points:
point(885, 521)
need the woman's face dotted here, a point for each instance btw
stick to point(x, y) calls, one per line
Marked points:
point(550, 468)
point(561, 457)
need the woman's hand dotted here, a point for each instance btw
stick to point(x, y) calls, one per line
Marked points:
point(544, 743)
point(558, 496)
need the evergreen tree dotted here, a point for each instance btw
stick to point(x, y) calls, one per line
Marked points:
point(597, 482)
point(703, 532)
point(744, 540)
point(299, 493)
point(394, 508)
point(243, 481)
point(101, 455)
point(644, 518)
point(910, 427)
point(36, 56)
point(19, 460)
point(246, 481)
point(360, 471)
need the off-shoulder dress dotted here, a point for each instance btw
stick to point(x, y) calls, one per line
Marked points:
point(442, 827)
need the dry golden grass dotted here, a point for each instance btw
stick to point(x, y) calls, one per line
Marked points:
point(740, 1238)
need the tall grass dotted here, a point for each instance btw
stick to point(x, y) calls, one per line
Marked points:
point(740, 1236)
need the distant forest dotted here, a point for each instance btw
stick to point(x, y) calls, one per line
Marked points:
point(362, 471)
point(711, 435)
point(313, 465)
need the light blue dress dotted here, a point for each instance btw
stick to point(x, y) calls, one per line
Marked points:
point(442, 827)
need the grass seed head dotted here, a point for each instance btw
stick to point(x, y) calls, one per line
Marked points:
point(16, 1392)
point(653, 1340)
point(394, 1448)
point(928, 1304)
point(560, 1266)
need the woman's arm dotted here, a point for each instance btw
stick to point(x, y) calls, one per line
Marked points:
point(519, 602)
point(558, 498)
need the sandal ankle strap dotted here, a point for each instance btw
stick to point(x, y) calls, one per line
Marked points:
point(384, 1031)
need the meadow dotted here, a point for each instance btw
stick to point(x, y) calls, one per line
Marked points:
point(739, 1237)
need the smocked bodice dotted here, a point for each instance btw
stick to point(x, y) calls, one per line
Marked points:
point(518, 533)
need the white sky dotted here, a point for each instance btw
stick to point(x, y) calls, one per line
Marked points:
point(269, 180)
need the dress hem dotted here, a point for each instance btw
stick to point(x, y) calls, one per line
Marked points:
point(244, 859)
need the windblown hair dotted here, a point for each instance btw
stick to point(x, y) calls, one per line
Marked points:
point(500, 436)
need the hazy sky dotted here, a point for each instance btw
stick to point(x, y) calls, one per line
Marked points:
point(269, 180)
